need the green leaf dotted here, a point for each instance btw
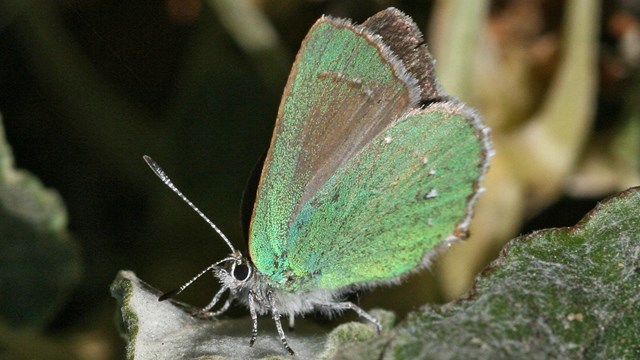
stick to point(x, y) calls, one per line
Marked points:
point(167, 330)
point(558, 293)
point(39, 262)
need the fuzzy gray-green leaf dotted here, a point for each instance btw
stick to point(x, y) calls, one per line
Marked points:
point(166, 330)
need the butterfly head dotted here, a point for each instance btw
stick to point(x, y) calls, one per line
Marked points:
point(237, 272)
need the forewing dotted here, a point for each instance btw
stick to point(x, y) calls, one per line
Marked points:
point(346, 87)
point(385, 211)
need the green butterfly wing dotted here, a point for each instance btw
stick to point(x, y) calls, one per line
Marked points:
point(348, 93)
point(342, 91)
point(409, 190)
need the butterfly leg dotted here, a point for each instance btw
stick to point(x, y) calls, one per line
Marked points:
point(224, 308)
point(254, 318)
point(276, 318)
point(351, 306)
point(292, 321)
point(205, 311)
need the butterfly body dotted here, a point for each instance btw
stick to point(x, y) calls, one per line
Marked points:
point(262, 288)
point(371, 170)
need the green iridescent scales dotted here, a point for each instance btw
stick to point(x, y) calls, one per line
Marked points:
point(363, 199)
point(378, 215)
point(311, 102)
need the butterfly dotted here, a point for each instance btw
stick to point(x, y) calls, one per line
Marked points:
point(372, 169)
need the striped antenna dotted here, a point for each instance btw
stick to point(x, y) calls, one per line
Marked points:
point(172, 293)
point(165, 179)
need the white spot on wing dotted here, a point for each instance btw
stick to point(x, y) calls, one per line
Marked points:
point(431, 194)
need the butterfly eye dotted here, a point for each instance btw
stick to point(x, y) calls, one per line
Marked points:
point(241, 272)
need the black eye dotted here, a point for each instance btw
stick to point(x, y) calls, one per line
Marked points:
point(241, 272)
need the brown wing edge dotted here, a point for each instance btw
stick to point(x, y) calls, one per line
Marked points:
point(405, 40)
